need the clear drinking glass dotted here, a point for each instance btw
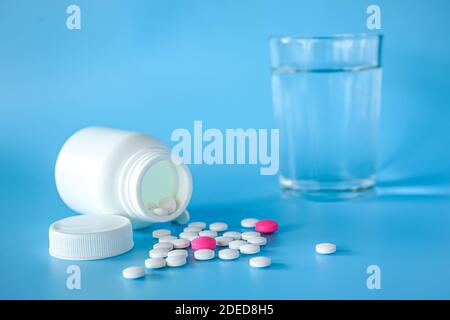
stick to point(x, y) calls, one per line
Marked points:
point(326, 95)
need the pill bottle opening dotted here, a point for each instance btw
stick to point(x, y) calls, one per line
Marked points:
point(164, 180)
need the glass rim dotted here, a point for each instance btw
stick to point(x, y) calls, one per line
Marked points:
point(341, 36)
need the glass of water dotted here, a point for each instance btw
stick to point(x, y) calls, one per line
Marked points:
point(326, 95)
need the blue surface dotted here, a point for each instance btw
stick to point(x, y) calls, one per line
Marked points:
point(155, 66)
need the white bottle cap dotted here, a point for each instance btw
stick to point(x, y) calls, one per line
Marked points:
point(90, 237)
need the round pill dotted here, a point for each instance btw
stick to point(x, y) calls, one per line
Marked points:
point(167, 239)
point(326, 248)
point(178, 252)
point(163, 245)
point(160, 211)
point(260, 241)
point(192, 229)
point(155, 263)
point(223, 241)
point(151, 206)
point(249, 248)
point(250, 234)
point(169, 204)
point(236, 244)
point(203, 243)
point(218, 226)
point(232, 234)
point(208, 233)
point(260, 262)
point(249, 222)
point(266, 226)
point(228, 254)
point(181, 243)
point(204, 254)
point(133, 272)
point(160, 233)
point(158, 253)
point(176, 261)
point(183, 218)
point(188, 235)
point(197, 224)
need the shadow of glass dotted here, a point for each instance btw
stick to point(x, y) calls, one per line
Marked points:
point(426, 186)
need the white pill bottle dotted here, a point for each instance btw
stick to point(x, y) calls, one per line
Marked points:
point(108, 171)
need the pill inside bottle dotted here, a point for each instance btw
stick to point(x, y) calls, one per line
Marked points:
point(159, 182)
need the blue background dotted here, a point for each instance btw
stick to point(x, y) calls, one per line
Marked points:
point(155, 66)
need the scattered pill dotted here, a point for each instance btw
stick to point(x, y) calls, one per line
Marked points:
point(203, 243)
point(250, 234)
point(163, 245)
point(176, 261)
point(158, 253)
point(192, 229)
point(232, 234)
point(228, 254)
point(260, 241)
point(155, 263)
point(208, 233)
point(160, 233)
point(236, 244)
point(181, 243)
point(204, 254)
point(260, 262)
point(167, 239)
point(249, 222)
point(249, 248)
point(197, 224)
point(223, 241)
point(169, 204)
point(218, 226)
point(188, 235)
point(326, 248)
point(133, 272)
point(183, 218)
point(178, 252)
point(160, 211)
point(266, 226)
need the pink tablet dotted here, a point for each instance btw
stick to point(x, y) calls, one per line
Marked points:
point(266, 226)
point(203, 243)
